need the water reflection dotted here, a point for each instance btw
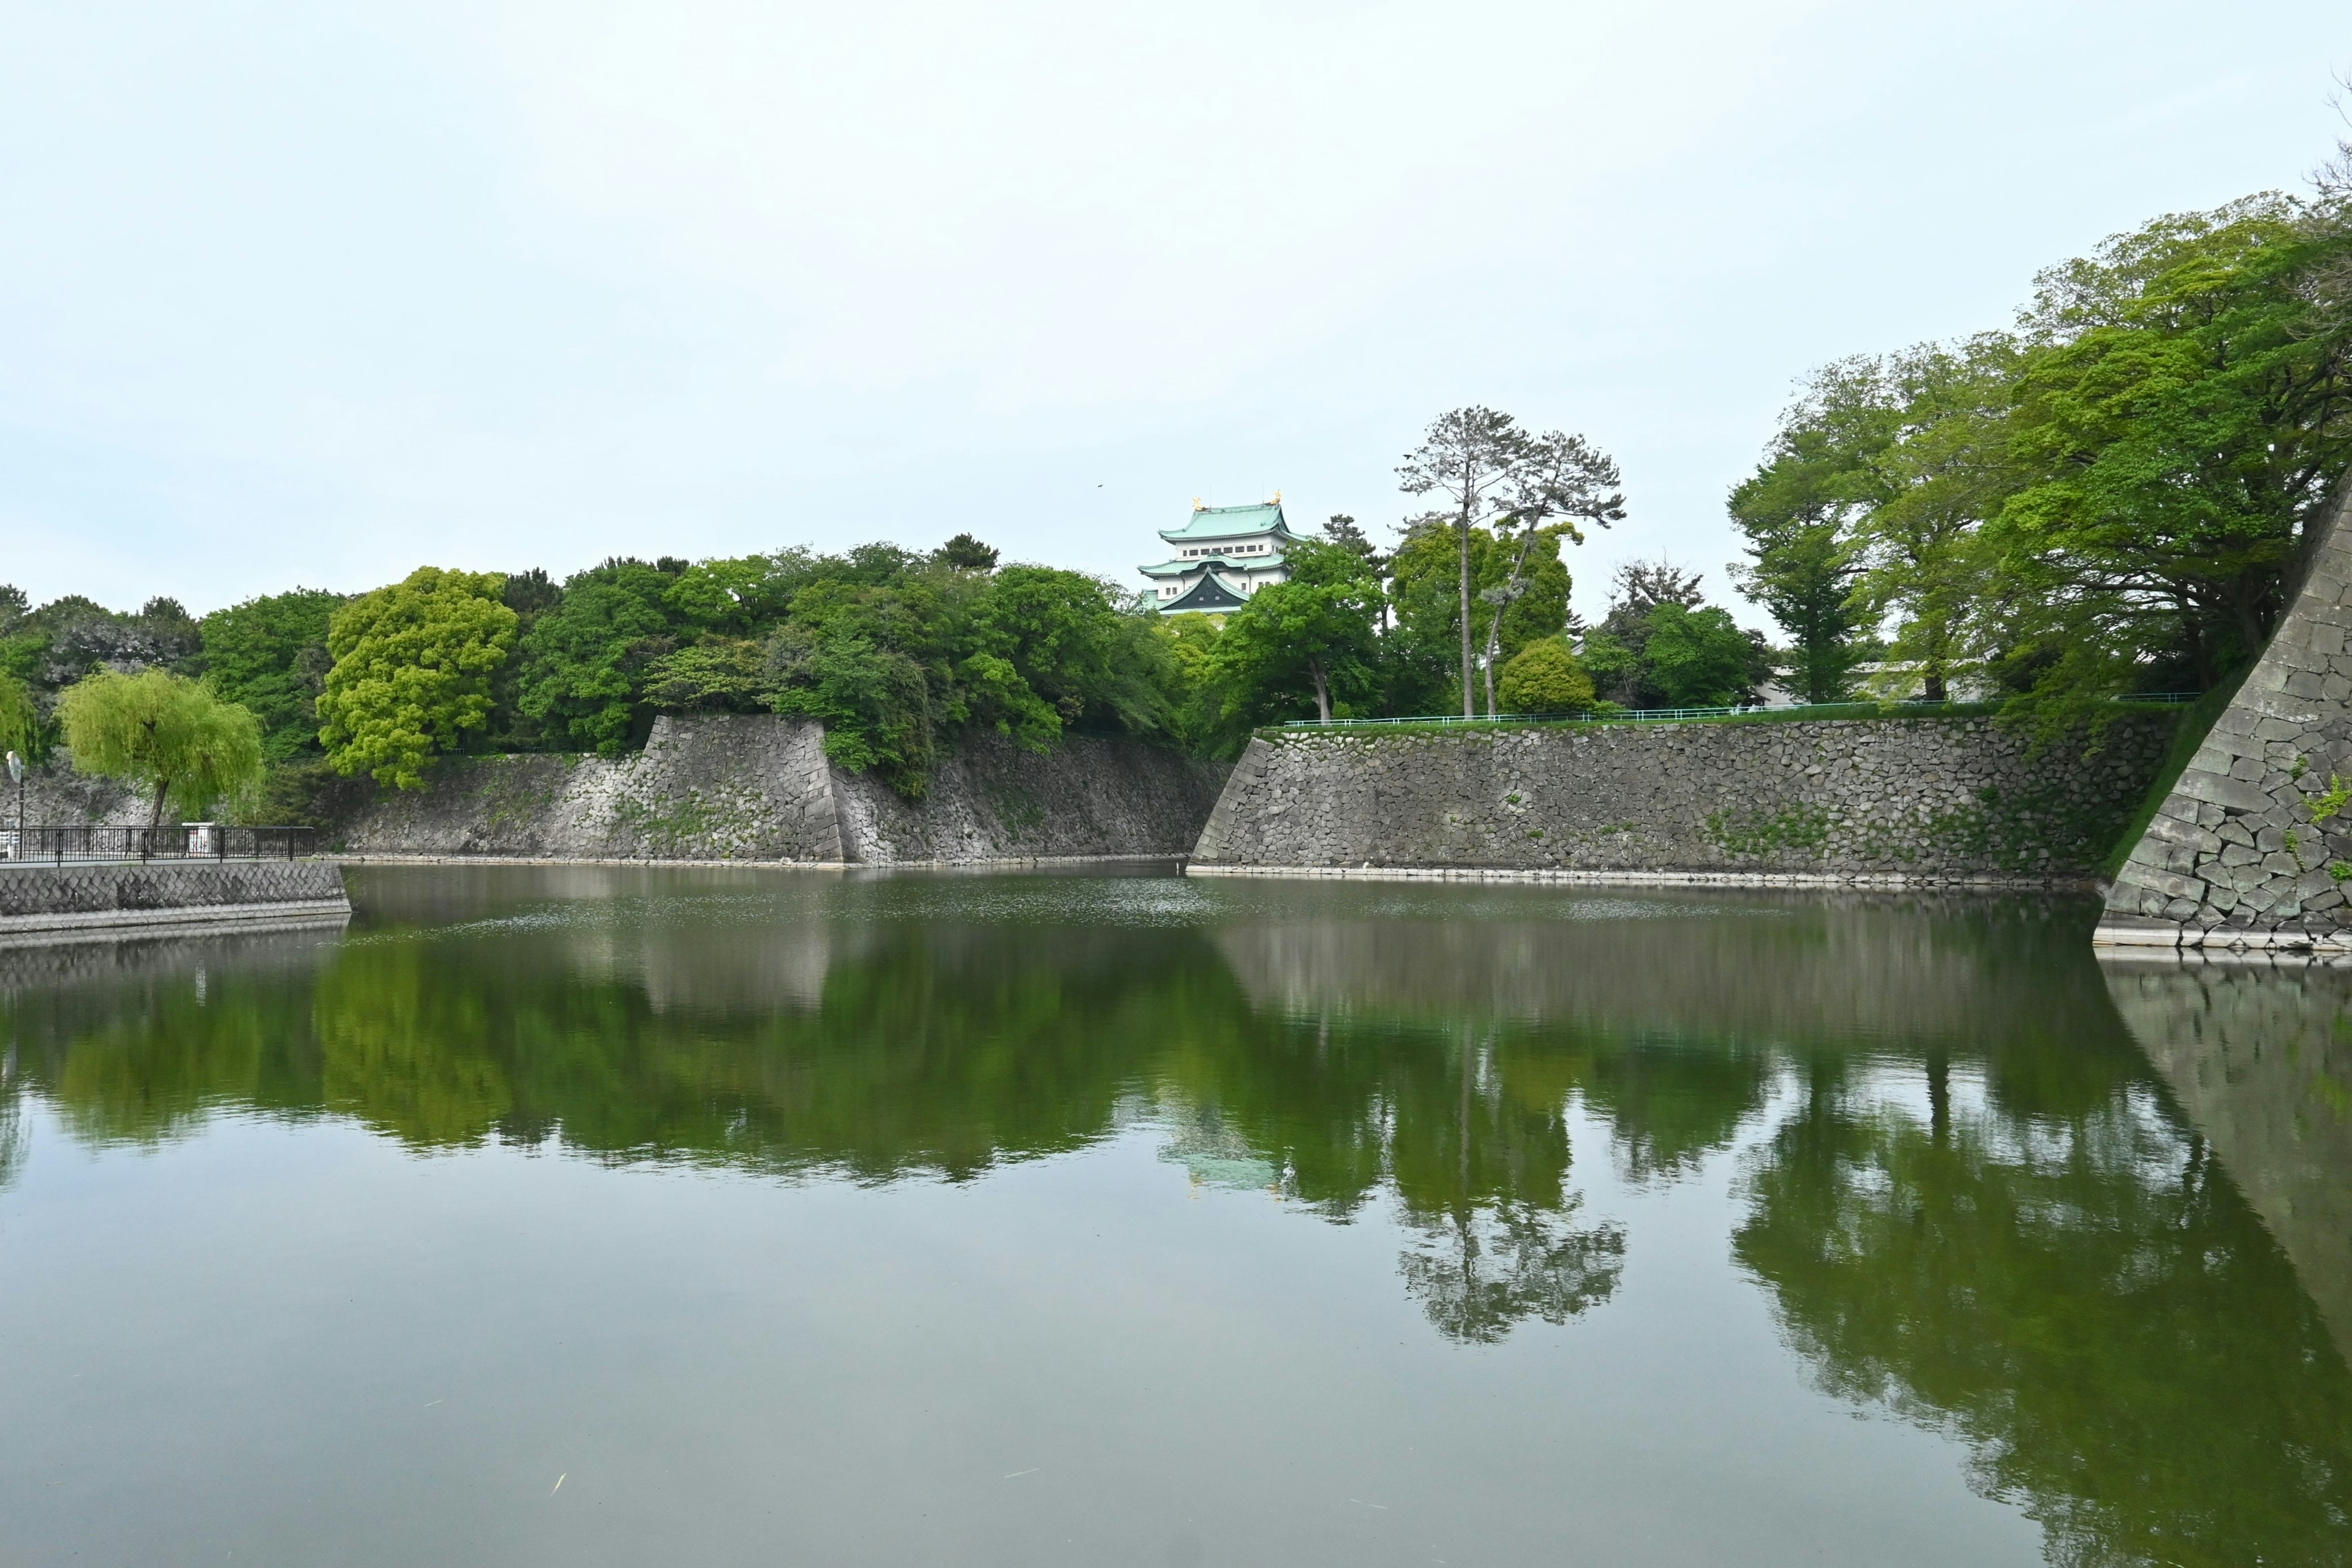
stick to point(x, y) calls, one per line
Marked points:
point(2260, 1058)
point(1970, 1201)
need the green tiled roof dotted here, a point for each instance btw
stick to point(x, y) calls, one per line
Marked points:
point(1214, 558)
point(1229, 522)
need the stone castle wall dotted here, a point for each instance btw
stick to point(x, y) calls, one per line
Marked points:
point(758, 787)
point(715, 787)
point(1915, 798)
point(2245, 852)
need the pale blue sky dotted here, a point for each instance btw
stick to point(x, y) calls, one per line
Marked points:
point(319, 293)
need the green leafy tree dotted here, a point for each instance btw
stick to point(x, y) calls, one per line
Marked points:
point(1800, 513)
point(269, 655)
point(1489, 473)
point(1921, 547)
point(584, 660)
point(1504, 618)
point(529, 595)
point(734, 596)
point(868, 662)
point(966, 554)
point(727, 674)
point(1189, 639)
point(1059, 634)
point(1698, 658)
point(20, 719)
point(1314, 637)
point(164, 733)
point(413, 664)
point(1545, 678)
point(1616, 652)
point(2183, 413)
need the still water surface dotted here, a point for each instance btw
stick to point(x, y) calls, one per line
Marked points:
point(584, 1215)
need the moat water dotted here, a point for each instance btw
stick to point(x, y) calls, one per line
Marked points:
point(602, 1217)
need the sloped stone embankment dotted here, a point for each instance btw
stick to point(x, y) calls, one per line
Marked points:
point(2253, 847)
point(753, 787)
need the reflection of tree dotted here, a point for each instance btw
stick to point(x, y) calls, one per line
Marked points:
point(1480, 1270)
point(2084, 1298)
point(14, 1139)
point(1671, 1100)
point(404, 1050)
point(149, 1059)
point(1478, 1164)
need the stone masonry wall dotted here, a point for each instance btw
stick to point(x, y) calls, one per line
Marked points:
point(990, 799)
point(709, 787)
point(34, 893)
point(1914, 797)
point(2244, 852)
point(52, 791)
point(756, 787)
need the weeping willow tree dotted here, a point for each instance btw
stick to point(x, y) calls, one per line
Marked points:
point(20, 722)
point(166, 736)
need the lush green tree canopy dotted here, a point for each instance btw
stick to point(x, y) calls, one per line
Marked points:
point(2106, 499)
point(1703, 661)
point(585, 658)
point(1486, 472)
point(20, 721)
point(164, 733)
point(412, 674)
point(1427, 606)
point(1545, 678)
point(1699, 659)
point(1312, 640)
point(1799, 512)
point(269, 655)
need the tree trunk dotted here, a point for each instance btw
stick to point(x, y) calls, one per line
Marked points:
point(1939, 1096)
point(1315, 673)
point(1469, 694)
point(155, 817)
point(2192, 626)
point(1495, 621)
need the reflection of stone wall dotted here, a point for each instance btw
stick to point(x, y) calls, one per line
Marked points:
point(754, 787)
point(137, 959)
point(2233, 857)
point(1916, 797)
point(1837, 967)
point(2260, 1058)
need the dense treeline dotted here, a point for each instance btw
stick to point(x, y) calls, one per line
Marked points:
point(896, 651)
point(2107, 498)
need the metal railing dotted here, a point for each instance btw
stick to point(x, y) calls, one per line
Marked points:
point(1668, 715)
point(83, 844)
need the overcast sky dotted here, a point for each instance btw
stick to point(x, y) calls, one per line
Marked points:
point(315, 294)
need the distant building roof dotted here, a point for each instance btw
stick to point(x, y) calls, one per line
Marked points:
point(1230, 522)
point(1212, 591)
